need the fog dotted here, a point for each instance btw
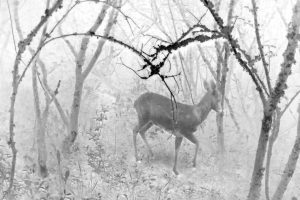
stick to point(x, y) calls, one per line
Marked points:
point(74, 133)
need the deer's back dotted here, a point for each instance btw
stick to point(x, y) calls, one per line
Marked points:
point(158, 109)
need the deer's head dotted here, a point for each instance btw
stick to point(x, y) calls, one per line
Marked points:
point(212, 95)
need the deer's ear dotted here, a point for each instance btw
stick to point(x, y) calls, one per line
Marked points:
point(212, 85)
point(206, 85)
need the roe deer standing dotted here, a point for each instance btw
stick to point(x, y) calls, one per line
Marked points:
point(156, 109)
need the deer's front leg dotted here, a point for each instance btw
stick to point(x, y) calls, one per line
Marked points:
point(178, 141)
point(194, 140)
point(142, 133)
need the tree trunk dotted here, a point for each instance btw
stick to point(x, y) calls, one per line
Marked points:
point(258, 170)
point(74, 116)
point(41, 120)
point(277, 93)
point(290, 165)
point(273, 137)
point(40, 127)
point(222, 69)
point(220, 113)
point(15, 85)
point(82, 74)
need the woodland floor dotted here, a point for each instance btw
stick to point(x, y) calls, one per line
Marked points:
point(103, 167)
point(153, 178)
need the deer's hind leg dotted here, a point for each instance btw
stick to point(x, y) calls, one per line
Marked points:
point(135, 132)
point(141, 129)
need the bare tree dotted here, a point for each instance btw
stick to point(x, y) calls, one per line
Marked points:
point(16, 83)
point(272, 102)
point(81, 75)
point(41, 117)
point(269, 99)
point(222, 69)
point(274, 134)
point(200, 33)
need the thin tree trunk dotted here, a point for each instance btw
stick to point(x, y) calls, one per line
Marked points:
point(81, 75)
point(221, 77)
point(15, 84)
point(277, 93)
point(75, 108)
point(74, 116)
point(41, 119)
point(290, 165)
point(220, 113)
point(232, 114)
point(215, 77)
point(40, 126)
point(258, 170)
point(273, 137)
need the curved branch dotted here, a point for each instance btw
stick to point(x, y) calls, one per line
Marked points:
point(46, 35)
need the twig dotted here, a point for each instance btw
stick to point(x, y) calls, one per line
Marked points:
point(126, 17)
point(173, 102)
point(157, 38)
point(123, 64)
point(71, 47)
point(289, 103)
point(11, 25)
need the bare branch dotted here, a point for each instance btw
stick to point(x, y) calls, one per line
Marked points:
point(141, 77)
point(72, 49)
point(260, 46)
point(289, 103)
point(47, 35)
point(207, 62)
point(126, 17)
point(111, 21)
point(157, 38)
point(11, 24)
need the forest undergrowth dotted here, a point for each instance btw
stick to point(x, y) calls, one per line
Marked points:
point(102, 165)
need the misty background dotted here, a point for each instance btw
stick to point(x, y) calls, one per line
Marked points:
point(101, 164)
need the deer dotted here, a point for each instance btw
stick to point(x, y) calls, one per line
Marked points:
point(181, 119)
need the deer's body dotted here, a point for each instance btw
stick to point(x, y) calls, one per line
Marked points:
point(156, 109)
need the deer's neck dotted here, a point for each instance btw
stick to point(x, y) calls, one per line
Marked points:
point(202, 109)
